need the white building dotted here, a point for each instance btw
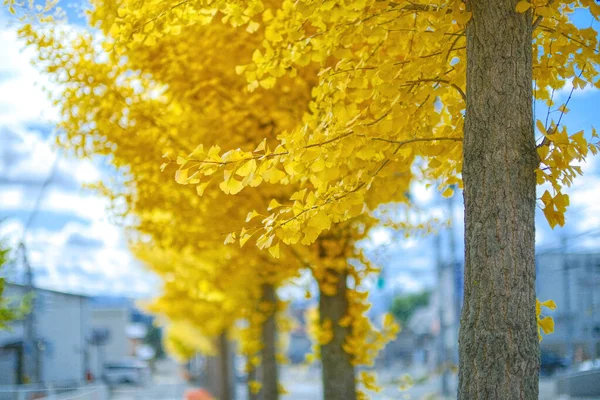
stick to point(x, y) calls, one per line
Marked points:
point(60, 325)
point(123, 338)
point(114, 322)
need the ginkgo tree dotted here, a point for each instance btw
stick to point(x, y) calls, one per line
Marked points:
point(208, 294)
point(135, 110)
point(449, 82)
point(125, 115)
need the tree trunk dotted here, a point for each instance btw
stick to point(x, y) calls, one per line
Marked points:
point(498, 339)
point(270, 389)
point(337, 369)
point(225, 370)
point(218, 379)
point(252, 376)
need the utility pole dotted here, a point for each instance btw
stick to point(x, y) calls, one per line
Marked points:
point(29, 338)
point(567, 292)
point(442, 351)
point(30, 335)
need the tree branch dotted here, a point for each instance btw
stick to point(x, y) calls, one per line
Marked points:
point(538, 20)
point(414, 140)
point(438, 80)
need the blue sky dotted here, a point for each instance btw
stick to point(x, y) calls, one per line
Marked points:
point(73, 246)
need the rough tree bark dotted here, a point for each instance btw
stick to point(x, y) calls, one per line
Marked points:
point(498, 340)
point(270, 389)
point(337, 370)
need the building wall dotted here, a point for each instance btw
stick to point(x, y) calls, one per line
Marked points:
point(575, 277)
point(60, 327)
point(62, 319)
point(118, 346)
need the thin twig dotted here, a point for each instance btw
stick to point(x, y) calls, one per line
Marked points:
point(439, 80)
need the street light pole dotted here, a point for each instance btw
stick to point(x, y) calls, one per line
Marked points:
point(29, 336)
point(442, 352)
point(567, 299)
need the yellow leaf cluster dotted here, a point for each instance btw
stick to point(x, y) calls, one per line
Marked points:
point(545, 323)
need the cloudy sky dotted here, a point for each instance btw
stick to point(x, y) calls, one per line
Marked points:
point(73, 246)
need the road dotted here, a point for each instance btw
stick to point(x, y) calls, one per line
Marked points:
point(301, 383)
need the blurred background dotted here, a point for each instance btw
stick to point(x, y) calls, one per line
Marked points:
point(87, 336)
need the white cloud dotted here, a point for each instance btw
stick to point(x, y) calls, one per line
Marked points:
point(584, 197)
point(28, 156)
point(564, 92)
point(21, 96)
point(423, 193)
point(408, 283)
point(540, 237)
point(100, 264)
point(379, 236)
point(11, 198)
point(86, 172)
point(83, 205)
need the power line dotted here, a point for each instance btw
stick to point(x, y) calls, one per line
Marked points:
point(40, 197)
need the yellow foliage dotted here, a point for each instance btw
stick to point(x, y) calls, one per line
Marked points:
point(255, 386)
point(183, 340)
point(545, 324)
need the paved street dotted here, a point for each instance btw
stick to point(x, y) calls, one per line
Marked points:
point(303, 383)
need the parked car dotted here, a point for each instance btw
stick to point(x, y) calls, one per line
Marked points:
point(588, 365)
point(551, 363)
point(126, 372)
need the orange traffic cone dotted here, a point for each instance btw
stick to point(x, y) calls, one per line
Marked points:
point(198, 394)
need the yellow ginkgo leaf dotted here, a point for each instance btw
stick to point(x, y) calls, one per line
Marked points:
point(448, 192)
point(273, 204)
point(181, 176)
point(550, 304)
point(547, 325)
point(247, 168)
point(251, 216)
point(230, 238)
point(231, 186)
point(523, 6)
point(463, 17)
point(274, 251)
point(255, 386)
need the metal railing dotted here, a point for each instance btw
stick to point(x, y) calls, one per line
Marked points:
point(151, 392)
point(54, 392)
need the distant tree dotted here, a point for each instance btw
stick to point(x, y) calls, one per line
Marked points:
point(404, 306)
point(154, 339)
point(3, 254)
point(8, 311)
